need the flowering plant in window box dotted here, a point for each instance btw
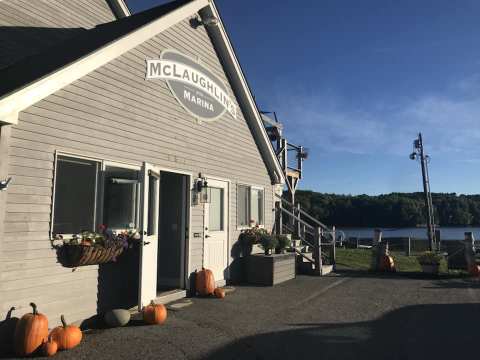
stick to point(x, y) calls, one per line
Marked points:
point(93, 248)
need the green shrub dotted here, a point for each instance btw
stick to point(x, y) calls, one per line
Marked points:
point(283, 242)
point(429, 258)
point(268, 242)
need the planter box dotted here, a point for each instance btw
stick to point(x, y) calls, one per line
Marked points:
point(270, 270)
point(430, 269)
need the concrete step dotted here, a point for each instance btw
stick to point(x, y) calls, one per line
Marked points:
point(308, 268)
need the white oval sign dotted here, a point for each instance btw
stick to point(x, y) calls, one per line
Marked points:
point(195, 87)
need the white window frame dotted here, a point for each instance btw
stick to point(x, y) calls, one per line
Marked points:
point(99, 188)
point(79, 157)
point(250, 188)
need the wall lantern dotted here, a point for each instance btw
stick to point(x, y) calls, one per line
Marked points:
point(4, 184)
point(201, 191)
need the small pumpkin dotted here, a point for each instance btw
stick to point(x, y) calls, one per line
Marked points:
point(154, 314)
point(219, 293)
point(50, 347)
point(66, 336)
point(204, 282)
point(7, 332)
point(31, 332)
point(474, 270)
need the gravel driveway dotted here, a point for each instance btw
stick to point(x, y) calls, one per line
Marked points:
point(347, 316)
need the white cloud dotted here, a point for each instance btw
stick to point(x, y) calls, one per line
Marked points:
point(450, 124)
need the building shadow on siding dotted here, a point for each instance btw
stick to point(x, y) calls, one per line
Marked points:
point(118, 282)
point(17, 42)
point(413, 332)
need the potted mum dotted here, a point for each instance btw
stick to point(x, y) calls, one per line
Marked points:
point(430, 262)
point(283, 242)
point(268, 243)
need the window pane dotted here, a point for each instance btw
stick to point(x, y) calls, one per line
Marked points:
point(152, 205)
point(242, 205)
point(121, 198)
point(75, 193)
point(257, 206)
point(254, 212)
point(215, 212)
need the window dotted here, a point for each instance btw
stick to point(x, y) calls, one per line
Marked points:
point(77, 205)
point(121, 198)
point(215, 212)
point(75, 195)
point(250, 206)
point(243, 206)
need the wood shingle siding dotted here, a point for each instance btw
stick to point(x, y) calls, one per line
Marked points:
point(113, 113)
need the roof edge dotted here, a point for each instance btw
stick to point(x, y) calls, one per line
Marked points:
point(119, 8)
point(225, 49)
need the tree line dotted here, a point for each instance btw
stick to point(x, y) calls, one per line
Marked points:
point(390, 210)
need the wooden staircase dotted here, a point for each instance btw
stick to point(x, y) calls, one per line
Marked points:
point(312, 241)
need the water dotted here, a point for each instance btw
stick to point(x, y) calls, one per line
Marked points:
point(446, 233)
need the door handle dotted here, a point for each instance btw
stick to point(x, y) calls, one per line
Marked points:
point(146, 243)
point(207, 236)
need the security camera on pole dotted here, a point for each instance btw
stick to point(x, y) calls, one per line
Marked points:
point(418, 154)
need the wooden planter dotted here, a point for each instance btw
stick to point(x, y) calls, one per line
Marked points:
point(82, 255)
point(269, 269)
point(430, 269)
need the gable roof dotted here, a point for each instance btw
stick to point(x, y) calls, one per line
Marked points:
point(34, 78)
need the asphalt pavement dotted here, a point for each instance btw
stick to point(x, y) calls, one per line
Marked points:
point(344, 316)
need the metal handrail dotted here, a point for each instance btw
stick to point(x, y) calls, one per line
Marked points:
point(322, 225)
point(296, 218)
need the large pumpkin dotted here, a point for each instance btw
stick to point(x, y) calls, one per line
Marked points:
point(154, 314)
point(204, 282)
point(50, 347)
point(7, 332)
point(31, 332)
point(387, 264)
point(66, 336)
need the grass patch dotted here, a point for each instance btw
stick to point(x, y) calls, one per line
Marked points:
point(361, 259)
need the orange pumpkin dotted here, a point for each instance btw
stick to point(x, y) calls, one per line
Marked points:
point(387, 264)
point(31, 332)
point(219, 293)
point(154, 314)
point(474, 270)
point(50, 347)
point(66, 336)
point(7, 332)
point(204, 282)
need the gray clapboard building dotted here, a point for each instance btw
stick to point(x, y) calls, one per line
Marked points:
point(119, 119)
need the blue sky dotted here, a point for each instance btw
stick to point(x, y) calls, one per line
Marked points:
point(355, 81)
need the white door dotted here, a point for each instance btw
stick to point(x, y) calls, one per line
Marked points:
point(216, 229)
point(148, 252)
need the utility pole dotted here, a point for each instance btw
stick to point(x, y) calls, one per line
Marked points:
point(418, 153)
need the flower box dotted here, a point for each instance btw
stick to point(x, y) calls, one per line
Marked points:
point(432, 269)
point(269, 270)
point(82, 255)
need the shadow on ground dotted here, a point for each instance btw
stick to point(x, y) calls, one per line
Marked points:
point(413, 332)
point(402, 275)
